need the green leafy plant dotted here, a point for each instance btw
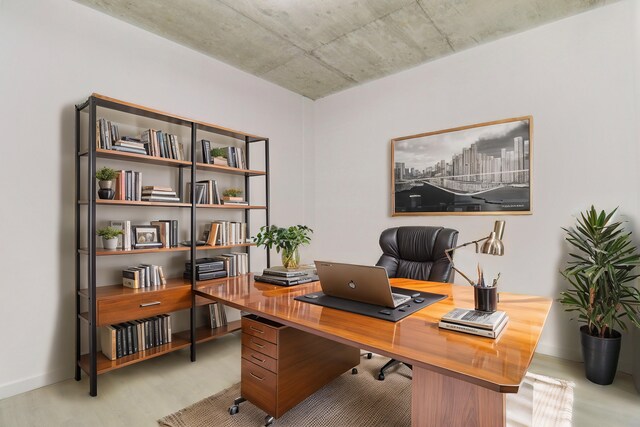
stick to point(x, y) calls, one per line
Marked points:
point(285, 239)
point(109, 232)
point(232, 192)
point(601, 263)
point(219, 152)
point(106, 174)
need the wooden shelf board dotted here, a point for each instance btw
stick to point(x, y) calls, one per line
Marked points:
point(114, 290)
point(138, 158)
point(137, 203)
point(102, 252)
point(106, 365)
point(128, 107)
point(205, 333)
point(230, 206)
point(228, 169)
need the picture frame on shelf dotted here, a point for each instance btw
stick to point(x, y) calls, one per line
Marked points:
point(480, 169)
point(146, 236)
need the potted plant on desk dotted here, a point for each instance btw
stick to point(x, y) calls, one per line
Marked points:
point(601, 265)
point(287, 240)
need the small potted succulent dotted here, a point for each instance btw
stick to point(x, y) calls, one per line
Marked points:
point(105, 177)
point(219, 156)
point(232, 195)
point(287, 240)
point(109, 237)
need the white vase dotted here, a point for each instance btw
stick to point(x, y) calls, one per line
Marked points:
point(110, 244)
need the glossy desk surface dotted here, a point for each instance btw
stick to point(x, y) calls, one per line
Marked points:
point(497, 364)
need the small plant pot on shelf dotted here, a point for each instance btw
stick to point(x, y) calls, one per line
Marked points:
point(600, 356)
point(220, 161)
point(106, 190)
point(110, 244)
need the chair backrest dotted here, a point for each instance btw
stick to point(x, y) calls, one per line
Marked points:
point(418, 252)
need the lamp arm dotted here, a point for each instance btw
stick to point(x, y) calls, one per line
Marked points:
point(448, 251)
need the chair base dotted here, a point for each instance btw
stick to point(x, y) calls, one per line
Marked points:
point(389, 364)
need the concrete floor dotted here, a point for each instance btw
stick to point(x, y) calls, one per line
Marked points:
point(141, 394)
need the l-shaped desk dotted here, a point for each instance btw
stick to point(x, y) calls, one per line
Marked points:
point(458, 379)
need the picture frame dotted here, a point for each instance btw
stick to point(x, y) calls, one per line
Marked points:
point(479, 169)
point(146, 236)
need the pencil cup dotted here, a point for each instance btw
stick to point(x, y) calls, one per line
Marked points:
point(486, 299)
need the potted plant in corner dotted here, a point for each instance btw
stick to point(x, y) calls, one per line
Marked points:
point(105, 177)
point(599, 270)
point(287, 240)
point(109, 237)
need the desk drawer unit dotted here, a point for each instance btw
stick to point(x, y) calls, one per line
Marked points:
point(281, 366)
point(122, 308)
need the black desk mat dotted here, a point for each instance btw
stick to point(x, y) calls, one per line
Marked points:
point(371, 310)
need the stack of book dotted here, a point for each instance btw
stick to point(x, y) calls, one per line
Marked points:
point(106, 134)
point(154, 193)
point(234, 201)
point(475, 322)
point(168, 232)
point(206, 192)
point(128, 144)
point(129, 338)
point(206, 268)
point(217, 315)
point(288, 276)
point(143, 276)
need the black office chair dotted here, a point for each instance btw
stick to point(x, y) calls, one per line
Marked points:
point(416, 253)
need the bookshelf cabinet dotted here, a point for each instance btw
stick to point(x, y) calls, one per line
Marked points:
point(101, 301)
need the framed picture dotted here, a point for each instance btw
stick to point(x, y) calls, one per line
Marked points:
point(481, 169)
point(146, 236)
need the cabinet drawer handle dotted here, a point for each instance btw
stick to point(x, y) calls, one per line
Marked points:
point(256, 329)
point(256, 344)
point(255, 376)
point(257, 358)
point(149, 304)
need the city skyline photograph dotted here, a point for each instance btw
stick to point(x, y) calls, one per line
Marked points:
point(482, 168)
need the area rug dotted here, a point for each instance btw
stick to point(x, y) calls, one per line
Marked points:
point(361, 401)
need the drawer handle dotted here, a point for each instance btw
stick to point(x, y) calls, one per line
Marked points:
point(257, 358)
point(149, 304)
point(256, 329)
point(257, 344)
point(255, 376)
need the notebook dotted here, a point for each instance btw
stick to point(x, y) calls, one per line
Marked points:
point(363, 283)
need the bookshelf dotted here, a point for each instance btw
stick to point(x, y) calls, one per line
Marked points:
point(100, 302)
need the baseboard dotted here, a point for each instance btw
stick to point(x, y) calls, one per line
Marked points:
point(32, 383)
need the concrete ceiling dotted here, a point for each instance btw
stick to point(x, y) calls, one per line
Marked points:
point(320, 47)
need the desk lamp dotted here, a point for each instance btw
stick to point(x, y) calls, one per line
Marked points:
point(492, 246)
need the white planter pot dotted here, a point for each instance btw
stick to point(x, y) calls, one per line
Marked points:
point(110, 244)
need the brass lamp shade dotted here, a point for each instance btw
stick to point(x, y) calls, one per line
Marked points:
point(493, 245)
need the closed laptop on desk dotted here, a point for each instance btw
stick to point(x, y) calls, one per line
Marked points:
point(363, 283)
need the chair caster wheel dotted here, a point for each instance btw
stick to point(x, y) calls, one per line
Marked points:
point(234, 409)
point(381, 377)
point(369, 355)
point(268, 420)
point(354, 371)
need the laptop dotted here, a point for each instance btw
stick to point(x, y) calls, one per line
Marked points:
point(363, 283)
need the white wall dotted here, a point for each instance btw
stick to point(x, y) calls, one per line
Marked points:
point(54, 54)
point(575, 76)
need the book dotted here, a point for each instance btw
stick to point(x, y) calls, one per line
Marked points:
point(206, 151)
point(156, 188)
point(165, 232)
point(131, 278)
point(108, 342)
point(160, 199)
point(213, 234)
point(474, 318)
point(127, 149)
point(489, 333)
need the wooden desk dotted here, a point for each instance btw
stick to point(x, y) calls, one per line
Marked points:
point(458, 379)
